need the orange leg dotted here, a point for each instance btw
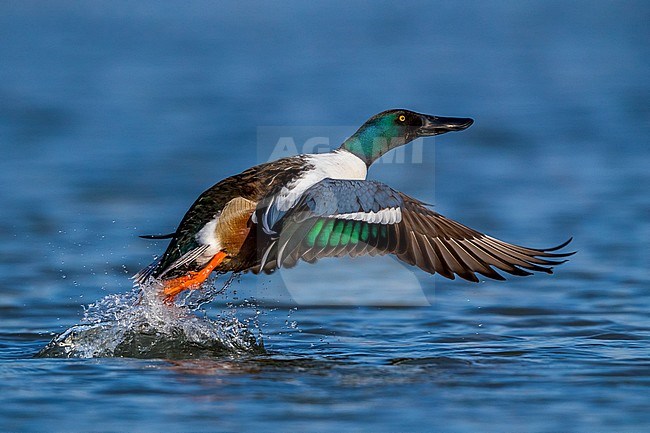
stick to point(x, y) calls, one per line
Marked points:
point(192, 280)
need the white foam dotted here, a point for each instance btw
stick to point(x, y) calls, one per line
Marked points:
point(139, 324)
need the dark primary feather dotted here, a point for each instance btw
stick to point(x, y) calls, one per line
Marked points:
point(423, 238)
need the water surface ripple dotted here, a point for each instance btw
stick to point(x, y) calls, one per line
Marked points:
point(114, 116)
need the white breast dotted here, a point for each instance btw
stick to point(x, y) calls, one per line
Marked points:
point(339, 164)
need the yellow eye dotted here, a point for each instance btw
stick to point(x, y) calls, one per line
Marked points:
point(402, 118)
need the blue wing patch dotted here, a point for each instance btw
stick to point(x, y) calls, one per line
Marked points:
point(331, 197)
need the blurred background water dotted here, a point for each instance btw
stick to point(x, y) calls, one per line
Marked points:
point(115, 116)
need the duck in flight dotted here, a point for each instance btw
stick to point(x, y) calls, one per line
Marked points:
point(311, 206)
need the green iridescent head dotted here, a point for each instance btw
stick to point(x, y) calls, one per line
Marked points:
point(393, 128)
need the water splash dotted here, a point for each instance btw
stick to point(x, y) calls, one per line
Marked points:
point(138, 324)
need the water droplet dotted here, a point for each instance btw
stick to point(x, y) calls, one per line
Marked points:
point(139, 324)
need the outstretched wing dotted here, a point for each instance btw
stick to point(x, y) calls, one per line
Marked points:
point(352, 217)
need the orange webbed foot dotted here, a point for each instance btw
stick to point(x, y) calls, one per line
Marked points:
point(192, 280)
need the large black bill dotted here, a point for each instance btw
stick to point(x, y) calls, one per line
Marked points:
point(435, 125)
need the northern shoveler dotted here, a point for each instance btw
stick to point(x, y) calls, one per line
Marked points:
point(321, 205)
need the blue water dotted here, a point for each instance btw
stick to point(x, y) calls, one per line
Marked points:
point(114, 117)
